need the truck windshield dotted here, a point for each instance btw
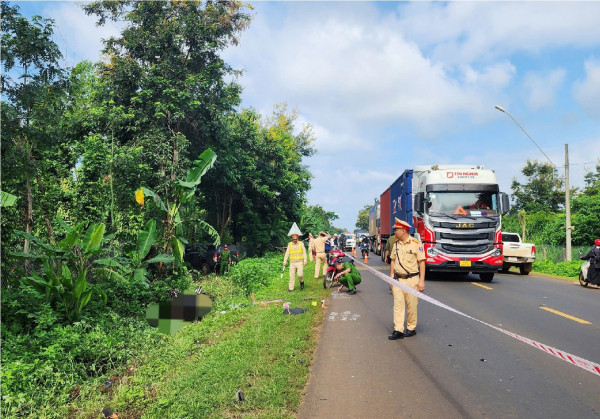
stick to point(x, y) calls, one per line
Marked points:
point(472, 204)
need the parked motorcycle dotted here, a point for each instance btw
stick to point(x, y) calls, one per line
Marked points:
point(328, 279)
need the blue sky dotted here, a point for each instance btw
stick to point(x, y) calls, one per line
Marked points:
point(388, 85)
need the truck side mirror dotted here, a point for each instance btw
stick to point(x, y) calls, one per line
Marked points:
point(505, 203)
point(420, 203)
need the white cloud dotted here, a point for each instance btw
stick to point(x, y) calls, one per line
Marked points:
point(542, 88)
point(77, 34)
point(587, 92)
point(459, 32)
point(350, 67)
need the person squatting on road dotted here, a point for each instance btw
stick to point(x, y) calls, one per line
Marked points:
point(347, 275)
point(408, 267)
point(321, 256)
point(593, 274)
point(297, 255)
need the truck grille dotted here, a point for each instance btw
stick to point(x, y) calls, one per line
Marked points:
point(457, 248)
point(471, 236)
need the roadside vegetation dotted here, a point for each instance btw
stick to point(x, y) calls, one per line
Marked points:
point(110, 171)
point(538, 215)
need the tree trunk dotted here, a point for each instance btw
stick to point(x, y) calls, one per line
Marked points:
point(226, 216)
point(175, 160)
point(46, 216)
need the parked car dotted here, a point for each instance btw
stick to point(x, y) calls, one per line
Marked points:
point(350, 242)
point(517, 253)
point(202, 256)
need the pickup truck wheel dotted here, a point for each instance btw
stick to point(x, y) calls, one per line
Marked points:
point(523, 271)
point(486, 277)
point(205, 269)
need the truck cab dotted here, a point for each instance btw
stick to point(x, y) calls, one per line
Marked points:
point(458, 215)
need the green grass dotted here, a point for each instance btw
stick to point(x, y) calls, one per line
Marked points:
point(568, 270)
point(197, 372)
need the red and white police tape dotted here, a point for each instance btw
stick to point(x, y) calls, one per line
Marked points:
point(575, 360)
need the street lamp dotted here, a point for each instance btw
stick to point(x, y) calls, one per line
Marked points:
point(567, 197)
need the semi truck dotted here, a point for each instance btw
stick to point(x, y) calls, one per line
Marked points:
point(455, 211)
point(374, 227)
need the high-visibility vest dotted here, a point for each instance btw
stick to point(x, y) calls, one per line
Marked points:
point(295, 254)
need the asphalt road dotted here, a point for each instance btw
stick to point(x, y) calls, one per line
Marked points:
point(456, 367)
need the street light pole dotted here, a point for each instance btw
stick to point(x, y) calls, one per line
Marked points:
point(567, 194)
point(567, 203)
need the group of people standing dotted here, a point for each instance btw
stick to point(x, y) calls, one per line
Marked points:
point(404, 253)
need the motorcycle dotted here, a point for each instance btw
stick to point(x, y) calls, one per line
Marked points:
point(583, 273)
point(328, 279)
point(364, 249)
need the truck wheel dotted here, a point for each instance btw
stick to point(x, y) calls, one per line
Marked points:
point(522, 270)
point(205, 269)
point(486, 277)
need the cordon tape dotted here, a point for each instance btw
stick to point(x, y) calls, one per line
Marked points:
point(572, 359)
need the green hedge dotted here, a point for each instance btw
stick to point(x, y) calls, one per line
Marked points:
point(566, 269)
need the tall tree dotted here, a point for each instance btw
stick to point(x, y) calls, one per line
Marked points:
point(362, 222)
point(592, 181)
point(542, 191)
point(33, 87)
point(260, 181)
point(315, 219)
point(166, 72)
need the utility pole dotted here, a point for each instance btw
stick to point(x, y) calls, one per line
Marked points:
point(567, 203)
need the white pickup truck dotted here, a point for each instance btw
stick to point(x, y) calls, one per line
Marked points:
point(517, 253)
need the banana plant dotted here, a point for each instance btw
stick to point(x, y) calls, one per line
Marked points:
point(56, 280)
point(174, 240)
point(7, 200)
point(133, 266)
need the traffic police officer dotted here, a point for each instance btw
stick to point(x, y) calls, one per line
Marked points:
point(321, 256)
point(407, 266)
point(297, 255)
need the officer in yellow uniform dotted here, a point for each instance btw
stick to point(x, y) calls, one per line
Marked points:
point(296, 253)
point(321, 256)
point(311, 247)
point(407, 266)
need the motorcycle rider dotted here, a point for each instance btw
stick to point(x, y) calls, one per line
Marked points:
point(593, 276)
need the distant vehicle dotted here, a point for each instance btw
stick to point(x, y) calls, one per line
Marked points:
point(374, 222)
point(350, 242)
point(202, 256)
point(516, 253)
point(206, 257)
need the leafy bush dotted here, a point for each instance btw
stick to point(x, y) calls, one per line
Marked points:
point(41, 367)
point(567, 269)
point(251, 274)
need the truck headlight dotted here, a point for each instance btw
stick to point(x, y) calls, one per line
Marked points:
point(432, 252)
point(497, 252)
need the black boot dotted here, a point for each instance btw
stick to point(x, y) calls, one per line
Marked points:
point(302, 285)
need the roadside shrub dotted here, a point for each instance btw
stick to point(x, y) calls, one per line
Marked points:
point(252, 274)
point(41, 367)
point(567, 269)
point(131, 298)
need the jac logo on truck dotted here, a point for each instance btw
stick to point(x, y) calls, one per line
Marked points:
point(462, 175)
point(465, 225)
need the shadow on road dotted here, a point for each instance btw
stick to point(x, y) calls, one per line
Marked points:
point(451, 277)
